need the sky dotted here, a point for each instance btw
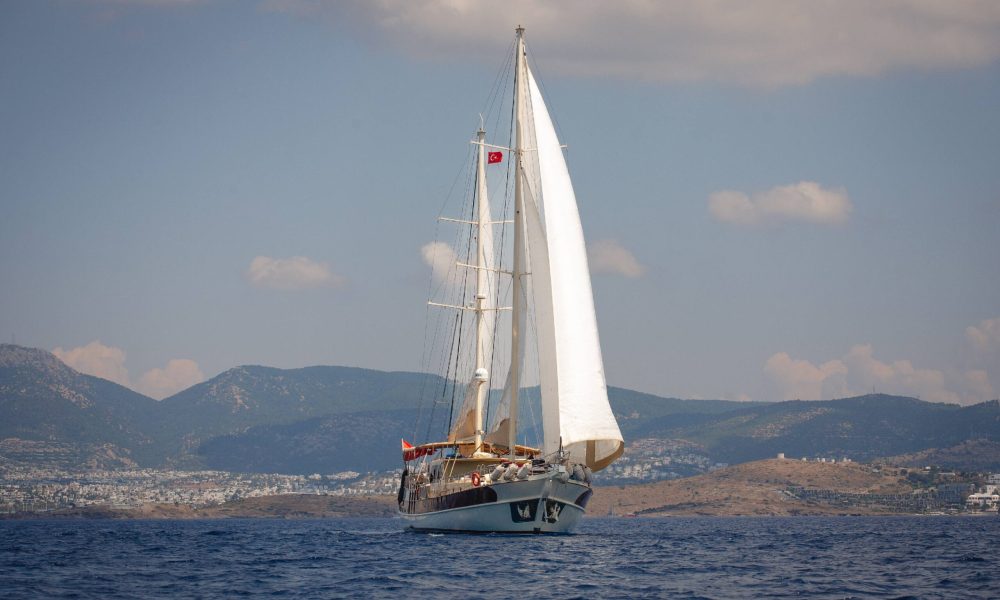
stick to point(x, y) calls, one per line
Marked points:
point(781, 199)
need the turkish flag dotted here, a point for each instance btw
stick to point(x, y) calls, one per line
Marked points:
point(411, 453)
point(494, 157)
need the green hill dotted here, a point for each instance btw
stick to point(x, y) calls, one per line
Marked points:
point(252, 401)
point(42, 399)
point(327, 419)
point(861, 428)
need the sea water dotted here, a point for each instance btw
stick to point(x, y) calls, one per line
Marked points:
point(702, 557)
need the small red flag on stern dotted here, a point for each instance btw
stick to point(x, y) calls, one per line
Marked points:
point(494, 157)
point(411, 453)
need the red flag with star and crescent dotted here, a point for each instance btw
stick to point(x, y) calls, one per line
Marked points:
point(494, 157)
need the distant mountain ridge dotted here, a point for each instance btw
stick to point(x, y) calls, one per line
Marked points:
point(43, 399)
point(248, 398)
point(327, 419)
point(861, 428)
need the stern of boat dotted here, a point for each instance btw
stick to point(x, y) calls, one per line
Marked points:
point(552, 501)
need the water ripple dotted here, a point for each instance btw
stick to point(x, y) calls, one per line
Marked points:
point(898, 557)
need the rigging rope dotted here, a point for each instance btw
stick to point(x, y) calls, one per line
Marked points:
point(450, 361)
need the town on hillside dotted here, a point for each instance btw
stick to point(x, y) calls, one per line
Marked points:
point(27, 490)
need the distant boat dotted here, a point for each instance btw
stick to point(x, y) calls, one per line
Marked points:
point(481, 478)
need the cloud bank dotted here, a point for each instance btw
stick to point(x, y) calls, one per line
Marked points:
point(985, 336)
point(859, 372)
point(295, 273)
point(805, 201)
point(179, 374)
point(800, 379)
point(108, 362)
point(610, 257)
point(764, 43)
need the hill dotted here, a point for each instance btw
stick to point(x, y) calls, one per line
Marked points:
point(971, 455)
point(861, 428)
point(42, 399)
point(249, 418)
point(326, 419)
point(318, 445)
point(755, 488)
point(246, 417)
point(371, 437)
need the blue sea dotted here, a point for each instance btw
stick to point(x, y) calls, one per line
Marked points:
point(702, 557)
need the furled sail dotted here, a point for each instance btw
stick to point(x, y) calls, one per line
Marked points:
point(575, 408)
point(467, 423)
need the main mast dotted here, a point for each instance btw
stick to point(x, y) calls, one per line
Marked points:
point(516, 359)
point(481, 375)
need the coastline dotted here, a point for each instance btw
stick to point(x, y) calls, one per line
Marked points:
point(766, 488)
point(284, 506)
point(306, 506)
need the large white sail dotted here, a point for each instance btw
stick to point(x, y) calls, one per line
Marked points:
point(575, 408)
point(490, 481)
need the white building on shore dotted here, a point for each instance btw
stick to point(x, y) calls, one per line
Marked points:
point(987, 500)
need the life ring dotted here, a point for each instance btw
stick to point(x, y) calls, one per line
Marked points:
point(476, 479)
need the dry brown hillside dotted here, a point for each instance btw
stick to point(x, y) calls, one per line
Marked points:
point(755, 488)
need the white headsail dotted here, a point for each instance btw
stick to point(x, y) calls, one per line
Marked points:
point(575, 408)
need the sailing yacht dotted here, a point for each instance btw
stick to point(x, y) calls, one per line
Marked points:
point(481, 478)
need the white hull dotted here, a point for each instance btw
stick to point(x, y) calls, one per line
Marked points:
point(540, 504)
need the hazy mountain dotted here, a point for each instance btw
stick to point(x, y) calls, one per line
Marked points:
point(861, 428)
point(361, 441)
point(970, 455)
point(252, 400)
point(252, 395)
point(42, 399)
point(645, 415)
point(328, 419)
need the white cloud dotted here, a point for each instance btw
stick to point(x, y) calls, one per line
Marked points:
point(608, 256)
point(800, 379)
point(976, 384)
point(760, 43)
point(805, 201)
point(859, 372)
point(985, 336)
point(98, 360)
point(179, 374)
point(898, 377)
point(295, 273)
point(440, 257)
point(108, 363)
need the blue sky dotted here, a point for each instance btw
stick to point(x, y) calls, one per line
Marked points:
point(801, 200)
